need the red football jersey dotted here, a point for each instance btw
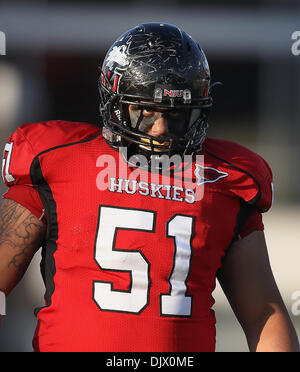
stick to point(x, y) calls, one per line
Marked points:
point(130, 257)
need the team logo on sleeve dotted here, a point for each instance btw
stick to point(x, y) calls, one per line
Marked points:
point(208, 174)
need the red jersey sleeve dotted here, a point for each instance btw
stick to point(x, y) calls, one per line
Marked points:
point(253, 223)
point(17, 158)
point(249, 175)
point(29, 198)
point(265, 181)
point(24, 145)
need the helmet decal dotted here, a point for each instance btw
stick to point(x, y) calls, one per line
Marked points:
point(117, 55)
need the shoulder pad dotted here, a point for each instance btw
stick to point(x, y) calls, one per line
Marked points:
point(31, 139)
point(249, 175)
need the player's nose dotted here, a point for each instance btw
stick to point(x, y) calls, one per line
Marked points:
point(159, 128)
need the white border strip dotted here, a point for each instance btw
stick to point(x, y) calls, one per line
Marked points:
point(2, 303)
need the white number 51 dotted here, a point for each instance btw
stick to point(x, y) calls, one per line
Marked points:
point(136, 299)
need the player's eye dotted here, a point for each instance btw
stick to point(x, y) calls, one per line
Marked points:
point(134, 107)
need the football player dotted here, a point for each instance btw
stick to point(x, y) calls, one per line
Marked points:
point(130, 253)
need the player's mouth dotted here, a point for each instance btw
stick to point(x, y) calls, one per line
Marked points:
point(155, 142)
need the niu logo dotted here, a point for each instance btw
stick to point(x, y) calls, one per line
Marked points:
point(2, 44)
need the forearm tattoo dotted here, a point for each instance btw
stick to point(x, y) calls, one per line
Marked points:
point(21, 232)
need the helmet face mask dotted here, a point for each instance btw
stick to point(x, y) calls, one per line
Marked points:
point(155, 68)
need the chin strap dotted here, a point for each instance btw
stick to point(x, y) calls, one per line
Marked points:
point(215, 84)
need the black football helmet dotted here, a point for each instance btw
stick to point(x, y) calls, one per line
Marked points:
point(155, 67)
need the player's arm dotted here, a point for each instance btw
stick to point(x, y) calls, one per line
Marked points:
point(248, 283)
point(21, 235)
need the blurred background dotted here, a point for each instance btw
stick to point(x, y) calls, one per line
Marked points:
point(50, 71)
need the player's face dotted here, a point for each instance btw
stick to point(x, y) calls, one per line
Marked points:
point(159, 122)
